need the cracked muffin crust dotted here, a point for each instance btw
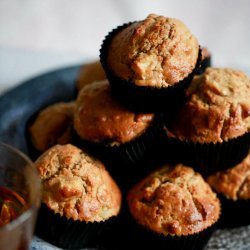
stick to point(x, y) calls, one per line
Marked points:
point(217, 107)
point(174, 201)
point(76, 185)
point(100, 118)
point(89, 73)
point(52, 126)
point(233, 183)
point(158, 52)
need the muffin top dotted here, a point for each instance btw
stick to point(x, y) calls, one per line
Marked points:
point(100, 118)
point(76, 185)
point(174, 201)
point(52, 126)
point(233, 183)
point(217, 107)
point(90, 73)
point(158, 51)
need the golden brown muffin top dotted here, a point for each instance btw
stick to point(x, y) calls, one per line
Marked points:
point(89, 73)
point(233, 183)
point(174, 201)
point(217, 109)
point(76, 185)
point(158, 51)
point(52, 126)
point(100, 118)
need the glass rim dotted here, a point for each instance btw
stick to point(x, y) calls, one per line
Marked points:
point(28, 213)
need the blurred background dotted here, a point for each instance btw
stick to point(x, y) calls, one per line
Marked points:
point(37, 36)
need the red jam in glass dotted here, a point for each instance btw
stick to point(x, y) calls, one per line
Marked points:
point(11, 205)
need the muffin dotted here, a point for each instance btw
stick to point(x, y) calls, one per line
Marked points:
point(100, 118)
point(233, 187)
point(206, 60)
point(53, 125)
point(79, 197)
point(110, 130)
point(213, 125)
point(89, 73)
point(149, 61)
point(175, 208)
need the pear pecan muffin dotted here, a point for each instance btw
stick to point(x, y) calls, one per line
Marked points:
point(99, 117)
point(79, 197)
point(158, 51)
point(233, 187)
point(89, 73)
point(214, 123)
point(218, 107)
point(144, 57)
point(111, 131)
point(53, 125)
point(174, 204)
point(233, 183)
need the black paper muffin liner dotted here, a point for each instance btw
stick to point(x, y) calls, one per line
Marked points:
point(191, 242)
point(213, 157)
point(70, 234)
point(144, 98)
point(141, 238)
point(128, 162)
point(207, 158)
point(234, 213)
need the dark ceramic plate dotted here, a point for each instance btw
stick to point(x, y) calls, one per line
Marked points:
point(22, 102)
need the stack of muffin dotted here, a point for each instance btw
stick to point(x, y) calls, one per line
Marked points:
point(152, 109)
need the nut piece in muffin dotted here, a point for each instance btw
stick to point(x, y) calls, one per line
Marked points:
point(90, 73)
point(158, 52)
point(76, 185)
point(52, 126)
point(174, 201)
point(233, 183)
point(100, 118)
point(217, 107)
